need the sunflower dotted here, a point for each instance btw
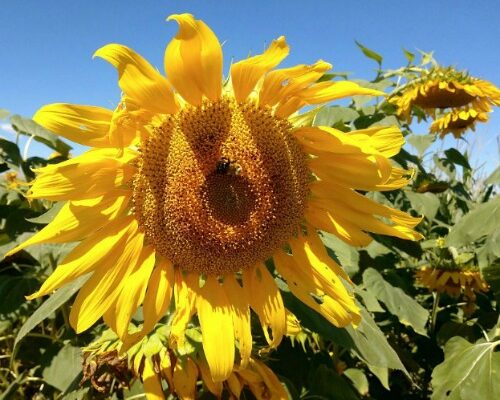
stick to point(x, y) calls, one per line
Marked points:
point(458, 121)
point(159, 366)
point(200, 192)
point(443, 88)
point(452, 281)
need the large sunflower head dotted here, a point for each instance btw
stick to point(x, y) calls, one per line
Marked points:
point(445, 88)
point(196, 194)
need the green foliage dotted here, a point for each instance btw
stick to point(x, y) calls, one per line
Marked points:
point(408, 310)
point(468, 371)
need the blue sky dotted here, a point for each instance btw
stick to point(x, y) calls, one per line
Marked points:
point(47, 46)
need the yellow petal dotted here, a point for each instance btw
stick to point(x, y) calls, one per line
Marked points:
point(304, 286)
point(272, 382)
point(387, 141)
point(87, 125)
point(343, 229)
point(76, 220)
point(282, 83)
point(193, 60)
point(106, 283)
point(185, 377)
point(265, 299)
point(352, 199)
point(151, 382)
point(104, 246)
point(216, 323)
point(321, 140)
point(214, 387)
point(333, 90)
point(246, 73)
point(321, 270)
point(134, 289)
point(234, 385)
point(364, 221)
point(237, 297)
point(185, 297)
point(89, 175)
point(138, 79)
point(355, 171)
point(158, 294)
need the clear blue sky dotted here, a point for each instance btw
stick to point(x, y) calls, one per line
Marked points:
point(47, 46)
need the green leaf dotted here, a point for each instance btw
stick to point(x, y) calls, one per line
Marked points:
point(10, 154)
point(482, 221)
point(370, 53)
point(469, 371)
point(327, 383)
point(491, 273)
point(47, 217)
point(369, 300)
point(426, 204)
point(372, 347)
point(4, 113)
point(12, 291)
point(64, 368)
point(358, 379)
point(40, 134)
point(420, 142)
point(408, 311)
point(347, 255)
point(494, 178)
point(50, 305)
point(409, 56)
point(329, 116)
point(457, 158)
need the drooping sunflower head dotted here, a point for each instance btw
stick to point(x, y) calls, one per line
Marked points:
point(201, 194)
point(445, 88)
point(453, 281)
point(458, 122)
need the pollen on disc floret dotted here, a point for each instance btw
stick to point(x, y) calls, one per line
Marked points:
point(220, 186)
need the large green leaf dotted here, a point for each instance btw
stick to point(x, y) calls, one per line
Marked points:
point(491, 273)
point(426, 204)
point(64, 368)
point(47, 217)
point(328, 384)
point(457, 158)
point(347, 255)
point(372, 347)
point(55, 301)
point(494, 178)
point(329, 116)
point(10, 154)
point(482, 221)
point(366, 341)
point(31, 128)
point(469, 371)
point(358, 379)
point(408, 311)
point(4, 113)
point(420, 142)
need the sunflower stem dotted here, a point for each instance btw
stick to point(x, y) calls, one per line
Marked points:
point(435, 309)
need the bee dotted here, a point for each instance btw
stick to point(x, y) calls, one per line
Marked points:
point(227, 167)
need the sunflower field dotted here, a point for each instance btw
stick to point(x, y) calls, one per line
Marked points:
point(277, 233)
